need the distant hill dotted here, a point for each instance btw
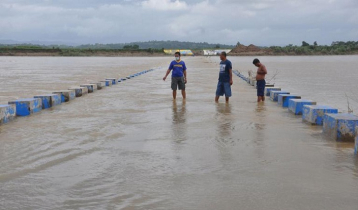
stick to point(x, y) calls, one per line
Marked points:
point(139, 45)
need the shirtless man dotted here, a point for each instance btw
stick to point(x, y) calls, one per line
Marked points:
point(260, 78)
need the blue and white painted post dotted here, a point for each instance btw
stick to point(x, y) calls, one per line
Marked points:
point(314, 113)
point(269, 89)
point(340, 127)
point(114, 80)
point(49, 100)
point(269, 85)
point(296, 105)
point(283, 99)
point(108, 83)
point(66, 95)
point(91, 87)
point(274, 94)
point(7, 113)
point(28, 106)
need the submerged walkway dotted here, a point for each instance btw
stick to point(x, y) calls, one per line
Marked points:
point(132, 147)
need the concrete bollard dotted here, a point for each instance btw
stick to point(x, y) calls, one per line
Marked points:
point(128, 77)
point(269, 89)
point(124, 79)
point(80, 91)
point(274, 94)
point(25, 107)
point(283, 99)
point(114, 80)
point(7, 113)
point(340, 127)
point(66, 95)
point(296, 105)
point(100, 85)
point(269, 85)
point(49, 100)
point(314, 113)
point(91, 87)
point(107, 83)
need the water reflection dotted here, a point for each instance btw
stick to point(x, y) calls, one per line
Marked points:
point(224, 122)
point(179, 112)
point(179, 126)
point(259, 134)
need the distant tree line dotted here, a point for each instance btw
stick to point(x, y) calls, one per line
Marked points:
point(129, 46)
point(336, 48)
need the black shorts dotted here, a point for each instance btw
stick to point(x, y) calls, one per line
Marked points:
point(178, 82)
point(261, 84)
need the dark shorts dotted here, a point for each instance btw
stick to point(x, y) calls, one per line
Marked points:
point(261, 84)
point(224, 88)
point(178, 82)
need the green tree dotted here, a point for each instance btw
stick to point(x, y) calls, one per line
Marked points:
point(238, 44)
point(305, 44)
point(315, 43)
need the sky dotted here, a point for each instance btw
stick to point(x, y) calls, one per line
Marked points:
point(259, 22)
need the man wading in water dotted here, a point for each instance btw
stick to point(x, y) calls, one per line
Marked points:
point(178, 75)
point(260, 78)
point(225, 79)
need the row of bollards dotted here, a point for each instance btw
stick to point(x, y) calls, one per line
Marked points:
point(338, 126)
point(28, 106)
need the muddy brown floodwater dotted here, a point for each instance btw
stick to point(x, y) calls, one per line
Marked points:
point(131, 147)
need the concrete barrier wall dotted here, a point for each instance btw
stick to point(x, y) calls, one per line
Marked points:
point(28, 106)
point(283, 99)
point(7, 113)
point(340, 127)
point(296, 105)
point(66, 95)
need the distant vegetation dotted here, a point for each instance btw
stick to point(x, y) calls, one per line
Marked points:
point(132, 46)
point(157, 48)
point(160, 45)
point(336, 48)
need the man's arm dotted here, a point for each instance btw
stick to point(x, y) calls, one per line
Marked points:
point(166, 74)
point(230, 73)
point(185, 79)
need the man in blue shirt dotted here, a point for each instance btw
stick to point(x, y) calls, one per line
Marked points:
point(225, 79)
point(178, 75)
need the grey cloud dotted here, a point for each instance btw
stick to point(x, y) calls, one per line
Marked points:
point(262, 22)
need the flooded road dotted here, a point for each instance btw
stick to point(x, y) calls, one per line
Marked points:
point(131, 147)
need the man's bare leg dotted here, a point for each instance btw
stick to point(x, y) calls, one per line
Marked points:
point(183, 94)
point(263, 98)
point(174, 94)
point(217, 98)
point(227, 99)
